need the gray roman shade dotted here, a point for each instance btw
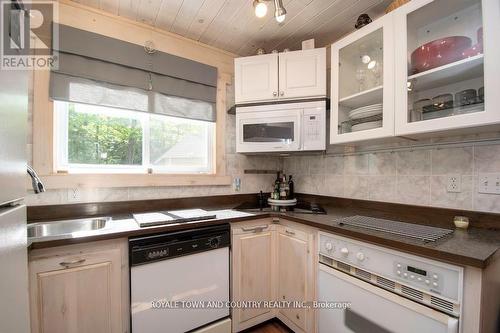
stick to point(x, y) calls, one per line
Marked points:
point(100, 70)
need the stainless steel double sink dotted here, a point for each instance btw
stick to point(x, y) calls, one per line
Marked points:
point(66, 227)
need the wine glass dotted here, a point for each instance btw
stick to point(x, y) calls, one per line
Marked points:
point(361, 78)
point(377, 73)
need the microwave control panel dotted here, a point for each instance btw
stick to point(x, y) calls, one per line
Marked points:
point(314, 129)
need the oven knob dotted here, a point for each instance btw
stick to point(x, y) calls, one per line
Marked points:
point(419, 279)
point(398, 272)
point(427, 281)
point(405, 274)
point(344, 251)
point(412, 276)
point(398, 265)
point(360, 256)
point(434, 284)
point(329, 246)
point(213, 243)
point(435, 277)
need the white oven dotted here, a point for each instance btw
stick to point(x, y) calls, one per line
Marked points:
point(286, 127)
point(385, 291)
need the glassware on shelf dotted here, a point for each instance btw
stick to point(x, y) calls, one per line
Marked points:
point(377, 71)
point(445, 56)
point(361, 78)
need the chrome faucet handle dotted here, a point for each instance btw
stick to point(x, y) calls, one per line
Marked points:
point(37, 184)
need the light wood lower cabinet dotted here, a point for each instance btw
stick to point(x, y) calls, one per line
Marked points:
point(253, 272)
point(78, 290)
point(295, 277)
point(273, 262)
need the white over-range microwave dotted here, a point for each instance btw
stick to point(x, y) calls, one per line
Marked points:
point(289, 127)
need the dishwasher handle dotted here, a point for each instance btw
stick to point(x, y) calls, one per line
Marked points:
point(452, 325)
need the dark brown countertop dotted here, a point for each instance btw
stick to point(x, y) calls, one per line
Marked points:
point(474, 247)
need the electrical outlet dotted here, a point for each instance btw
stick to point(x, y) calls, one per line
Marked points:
point(237, 184)
point(454, 184)
point(489, 183)
point(74, 195)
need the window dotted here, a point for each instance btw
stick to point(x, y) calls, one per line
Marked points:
point(97, 139)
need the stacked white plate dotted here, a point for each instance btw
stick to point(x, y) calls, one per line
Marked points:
point(365, 111)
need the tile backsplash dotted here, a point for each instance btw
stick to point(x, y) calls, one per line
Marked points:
point(418, 177)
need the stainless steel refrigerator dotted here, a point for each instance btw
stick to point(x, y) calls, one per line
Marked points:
point(14, 306)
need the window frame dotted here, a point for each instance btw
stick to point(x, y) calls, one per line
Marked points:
point(61, 119)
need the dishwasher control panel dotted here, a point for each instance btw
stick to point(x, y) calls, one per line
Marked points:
point(146, 249)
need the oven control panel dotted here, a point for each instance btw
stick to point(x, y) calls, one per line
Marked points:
point(423, 277)
point(407, 269)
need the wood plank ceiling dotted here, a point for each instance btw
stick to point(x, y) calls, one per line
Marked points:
point(232, 26)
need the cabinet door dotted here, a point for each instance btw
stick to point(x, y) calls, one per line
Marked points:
point(253, 274)
point(77, 294)
point(302, 74)
point(256, 78)
point(294, 276)
point(447, 68)
point(362, 96)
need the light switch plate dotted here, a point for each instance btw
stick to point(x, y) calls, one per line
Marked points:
point(489, 183)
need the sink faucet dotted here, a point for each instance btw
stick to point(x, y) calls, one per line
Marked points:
point(35, 181)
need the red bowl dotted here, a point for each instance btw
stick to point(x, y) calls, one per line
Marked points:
point(439, 52)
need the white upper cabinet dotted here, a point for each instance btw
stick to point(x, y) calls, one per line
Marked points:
point(302, 74)
point(362, 96)
point(288, 75)
point(447, 65)
point(256, 78)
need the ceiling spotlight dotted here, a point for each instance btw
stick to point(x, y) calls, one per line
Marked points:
point(279, 11)
point(260, 8)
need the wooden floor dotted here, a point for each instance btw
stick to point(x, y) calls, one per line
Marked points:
point(272, 326)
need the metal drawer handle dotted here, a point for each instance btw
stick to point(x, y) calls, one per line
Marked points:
point(275, 93)
point(73, 262)
point(258, 228)
point(282, 93)
point(290, 232)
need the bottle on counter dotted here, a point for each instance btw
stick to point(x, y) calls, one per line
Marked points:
point(291, 193)
point(277, 183)
point(282, 188)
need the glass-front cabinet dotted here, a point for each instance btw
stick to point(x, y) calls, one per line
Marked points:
point(362, 96)
point(447, 65)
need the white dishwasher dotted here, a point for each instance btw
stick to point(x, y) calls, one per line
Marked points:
point(173, 278)
point(385, 291)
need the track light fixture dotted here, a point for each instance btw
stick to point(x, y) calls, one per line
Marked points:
point(260, 8)
point(279, 11)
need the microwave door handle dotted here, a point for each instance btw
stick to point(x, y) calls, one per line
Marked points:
point(299, 130)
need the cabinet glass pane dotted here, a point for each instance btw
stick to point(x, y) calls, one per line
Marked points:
point(269, 132)
point(445, 60)
point(361, 84)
